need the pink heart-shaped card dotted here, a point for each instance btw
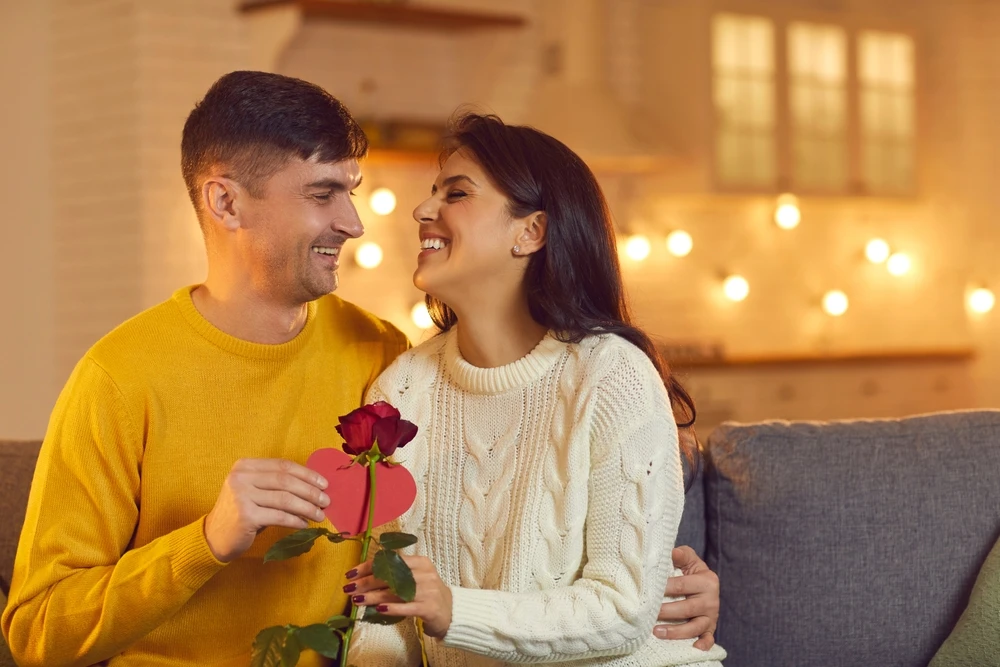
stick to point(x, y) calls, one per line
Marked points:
point(395, 490)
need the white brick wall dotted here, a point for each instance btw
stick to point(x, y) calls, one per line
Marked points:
point(184, 46)
point(27, 287)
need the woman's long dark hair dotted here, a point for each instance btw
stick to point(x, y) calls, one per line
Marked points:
point(574, 282)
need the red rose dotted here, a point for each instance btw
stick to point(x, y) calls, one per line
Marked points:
point(381, 409)
point(356, 430)
point(393, 433)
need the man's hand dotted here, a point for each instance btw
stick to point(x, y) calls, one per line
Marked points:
point(259, 493)
point(698, 613)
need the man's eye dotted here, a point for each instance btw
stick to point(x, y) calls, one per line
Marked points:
point(323, 197)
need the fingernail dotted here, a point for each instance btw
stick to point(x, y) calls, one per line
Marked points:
point(350, 588)
point(351, 574)
point(358, 599)
point(382, 608)
point(660, 632)
point(321, 482)
point(319, 515)
point(324, 499)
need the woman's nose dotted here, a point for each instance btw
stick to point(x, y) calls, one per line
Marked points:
point(425, 211)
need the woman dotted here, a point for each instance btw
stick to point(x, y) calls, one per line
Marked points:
point(547, 464)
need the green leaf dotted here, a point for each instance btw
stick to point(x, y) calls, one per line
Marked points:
point(321, 638)
point(372, 616)
point(291, 650)
point(267, 647)
point(295, 544)
point(397, 540)
point(390, 568)
point(339, 621)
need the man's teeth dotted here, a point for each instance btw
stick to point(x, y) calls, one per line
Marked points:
point(326, 251)
point(432, 244)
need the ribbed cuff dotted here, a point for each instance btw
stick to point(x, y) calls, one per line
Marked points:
point(473, 617)
point(192, 560)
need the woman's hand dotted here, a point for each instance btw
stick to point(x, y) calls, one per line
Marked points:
point(432, 603)
point(698, 613)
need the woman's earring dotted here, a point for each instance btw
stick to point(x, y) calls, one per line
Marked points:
point(517, 250)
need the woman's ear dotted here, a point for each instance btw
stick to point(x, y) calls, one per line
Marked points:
point(532, 234)
point(219, 197)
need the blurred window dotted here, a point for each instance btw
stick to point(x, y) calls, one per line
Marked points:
point(886, 80)
point(817, 92)
point(743, 65)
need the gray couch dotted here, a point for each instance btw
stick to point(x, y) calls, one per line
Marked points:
point(838, 544)
point(845, 544)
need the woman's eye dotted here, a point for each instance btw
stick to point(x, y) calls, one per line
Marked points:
point(455, 194)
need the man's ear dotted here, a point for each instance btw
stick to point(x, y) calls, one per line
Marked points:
point(220, 201)
point(532, 234)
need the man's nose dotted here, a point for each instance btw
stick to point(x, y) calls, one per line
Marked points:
point(349, 222)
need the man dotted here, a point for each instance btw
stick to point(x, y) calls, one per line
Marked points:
point(177, 438)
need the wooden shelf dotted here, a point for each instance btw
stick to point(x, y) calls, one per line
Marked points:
point(903, 356)
point(397, 14)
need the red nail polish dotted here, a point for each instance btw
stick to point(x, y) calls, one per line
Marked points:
point(351, 574)
point(358, 599)
point(349, 588)
point(382, 608)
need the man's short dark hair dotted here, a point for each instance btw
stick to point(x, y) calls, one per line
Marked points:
point(251, 123)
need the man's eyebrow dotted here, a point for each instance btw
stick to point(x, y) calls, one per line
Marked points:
point(454, 179)
point(335, 184)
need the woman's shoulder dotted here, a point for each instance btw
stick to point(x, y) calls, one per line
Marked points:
point(607, 353)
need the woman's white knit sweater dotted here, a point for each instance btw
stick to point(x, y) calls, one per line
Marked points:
point(549, 492)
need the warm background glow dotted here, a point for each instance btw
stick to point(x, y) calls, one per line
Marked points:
point(679, 243)
point(368, 255)
point(382, 201)
point(736, 288)
point(835, 303)
point(787, 214)
point(637, 248)
point(877, 251)
point(805, 151)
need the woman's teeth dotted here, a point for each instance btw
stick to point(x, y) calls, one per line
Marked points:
point(432, 244)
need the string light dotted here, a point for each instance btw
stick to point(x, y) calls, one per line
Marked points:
point(736, 288)
point(421, 317)
point(877, 251)
point(382, 201)
point(898, 263)
point(787, 214)
point(679, 243)
point(835, 303)
point(637, 247)
point(981, 300)
point(368, 255)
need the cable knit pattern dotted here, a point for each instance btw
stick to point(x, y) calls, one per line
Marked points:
point(549, 495)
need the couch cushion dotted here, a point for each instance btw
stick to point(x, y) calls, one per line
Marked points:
point(849, 543)
point(17, 464)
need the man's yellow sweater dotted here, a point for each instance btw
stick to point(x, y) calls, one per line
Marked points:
point(112, 563)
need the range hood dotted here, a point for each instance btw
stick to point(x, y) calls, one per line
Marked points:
point(573, 99)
